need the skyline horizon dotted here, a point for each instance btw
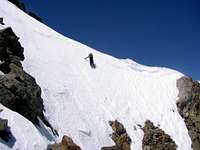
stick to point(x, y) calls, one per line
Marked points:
point(147, 33)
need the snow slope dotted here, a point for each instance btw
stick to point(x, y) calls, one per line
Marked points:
point(23, 131)
point(79, 101)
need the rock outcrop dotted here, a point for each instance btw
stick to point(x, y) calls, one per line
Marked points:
point(188, 104)
point(119, 136)
point(156, 139)
point(18, 90)
point(66, 144)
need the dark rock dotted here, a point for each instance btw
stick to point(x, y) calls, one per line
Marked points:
point(4, 67)
point(20, 93)
point(18, 90)
point(1, 21)
point(5, 133)
point(156, 139)
point(3, 124)
point(189, 107)
point(110, 148)
point(66, 144)
point(10, 46)
point(119, 136)
point(19, 4)
point(35, 16)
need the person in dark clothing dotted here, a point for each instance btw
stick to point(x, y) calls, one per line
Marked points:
point(1, 21)
point(92, 64)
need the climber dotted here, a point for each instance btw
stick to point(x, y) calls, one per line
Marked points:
point(1, 21)
point(90, 56)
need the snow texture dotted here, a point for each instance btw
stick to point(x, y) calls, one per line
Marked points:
point(79, 101)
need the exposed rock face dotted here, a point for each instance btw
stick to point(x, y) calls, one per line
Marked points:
point(189, 107)
point(66, 144)
point(119, 136)
point(156, 139)
point(18, 90)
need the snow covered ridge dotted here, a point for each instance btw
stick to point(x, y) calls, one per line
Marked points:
point(79, 101)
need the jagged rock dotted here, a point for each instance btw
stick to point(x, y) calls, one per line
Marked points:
point(189, 107)
point(10, 46)
point(19, 4)
point(156, 139)
point(66, 144)
point(18, 90)
point(35, 16)
point(119, 136)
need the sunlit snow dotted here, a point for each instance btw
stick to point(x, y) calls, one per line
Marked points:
point(79, 101)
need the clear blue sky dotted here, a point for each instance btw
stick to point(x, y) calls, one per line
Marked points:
point(151, 32)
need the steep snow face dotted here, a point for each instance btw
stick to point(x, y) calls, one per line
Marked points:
point(79, 101)
point(24, 133)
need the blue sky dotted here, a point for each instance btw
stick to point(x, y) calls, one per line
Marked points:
point(151, 32)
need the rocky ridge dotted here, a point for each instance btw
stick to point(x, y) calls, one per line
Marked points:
point(18, 90)
point(188, 104)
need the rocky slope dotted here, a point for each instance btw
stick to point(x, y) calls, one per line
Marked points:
point(189, 107)
point(119, 136)
point(18, 90)
point(156, 139)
